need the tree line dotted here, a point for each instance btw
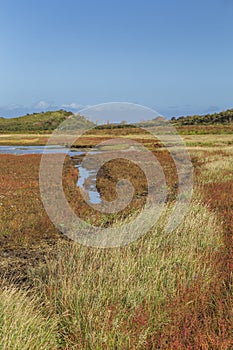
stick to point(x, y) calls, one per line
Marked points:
point(224, 117)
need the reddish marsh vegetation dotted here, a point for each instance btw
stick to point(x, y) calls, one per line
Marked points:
point(162, 292)
point(26, 233)
point(203, 319)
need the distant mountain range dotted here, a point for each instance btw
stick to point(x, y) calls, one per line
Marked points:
point(49, 121)
point(15, 110)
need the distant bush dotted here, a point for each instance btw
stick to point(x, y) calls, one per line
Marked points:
point(114, 126)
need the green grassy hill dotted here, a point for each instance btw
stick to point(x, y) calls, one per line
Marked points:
point(41, 122)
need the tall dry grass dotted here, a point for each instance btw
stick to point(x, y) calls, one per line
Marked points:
point(115, 298)
point(23, 325)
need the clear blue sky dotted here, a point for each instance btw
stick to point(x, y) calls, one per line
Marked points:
point(172, 55)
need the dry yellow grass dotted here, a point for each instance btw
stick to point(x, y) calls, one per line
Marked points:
point(23, 326)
